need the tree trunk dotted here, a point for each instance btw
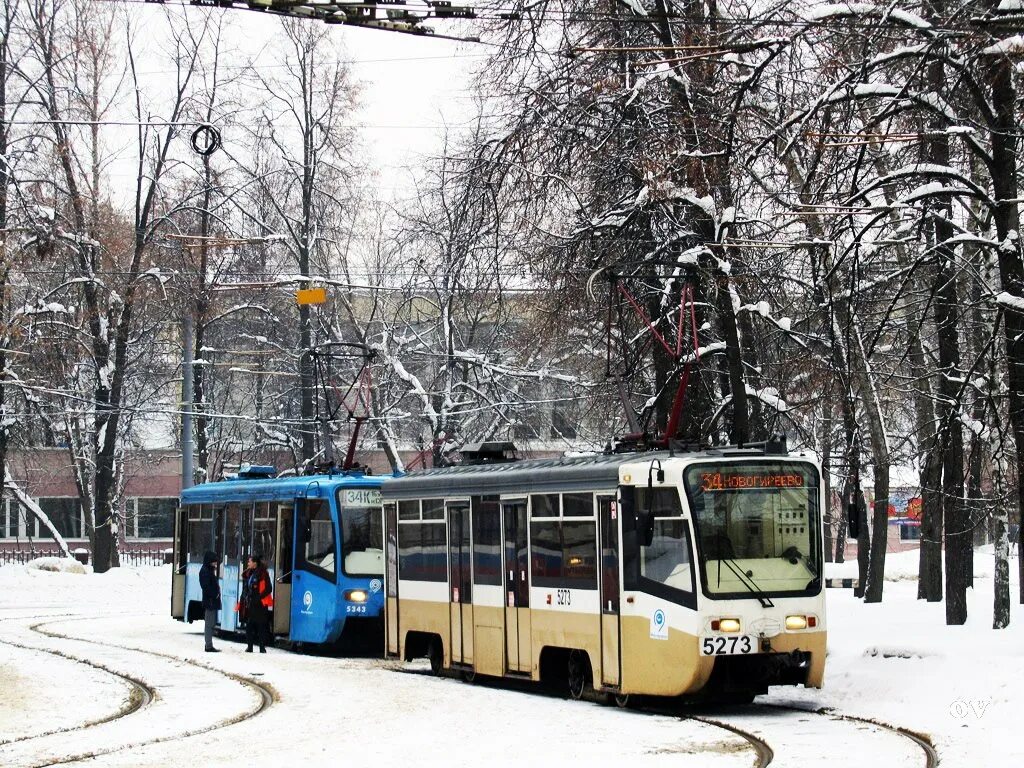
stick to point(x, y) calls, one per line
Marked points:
point(826, 477)
point(1011, 266)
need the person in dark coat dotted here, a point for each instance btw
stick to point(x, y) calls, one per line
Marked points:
point(211, 596)
point(256, 603)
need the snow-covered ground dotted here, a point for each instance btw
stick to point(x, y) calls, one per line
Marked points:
point(101, 640)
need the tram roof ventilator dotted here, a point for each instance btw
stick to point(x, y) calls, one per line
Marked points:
point(490, 452)
point(254, 472)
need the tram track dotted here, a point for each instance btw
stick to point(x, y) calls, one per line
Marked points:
point(143, 694)
point(923, 741)
point(764, 747)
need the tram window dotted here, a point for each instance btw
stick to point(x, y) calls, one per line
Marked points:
point(391, 516)
point(577, 505)
point(579, 554)
point(200, 539)
point(486, 540)
point(662, 502)
point(264, 532)
point(433, 509)
point(232, 542)
point(318, 532)
point(422, 552)
point(544, 505)
point(667, 559)
point(564, 553)
point(362, 541)
point(408, 510)
point(546, 553)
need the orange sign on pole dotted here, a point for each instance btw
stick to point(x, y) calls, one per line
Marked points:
point(311, 296)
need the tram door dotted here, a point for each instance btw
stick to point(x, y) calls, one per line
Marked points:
point(517, 585)
point(460, 585)
point(391, 578)
point(180, 563)
point(611, 654)
point(283, 564)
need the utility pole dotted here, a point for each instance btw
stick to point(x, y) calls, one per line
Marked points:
point(187, 473)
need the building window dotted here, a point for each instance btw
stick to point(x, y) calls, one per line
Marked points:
point(65, 514)
point(156, 517)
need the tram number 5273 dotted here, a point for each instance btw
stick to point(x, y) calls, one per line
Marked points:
point(727, 646)
point(563, 597)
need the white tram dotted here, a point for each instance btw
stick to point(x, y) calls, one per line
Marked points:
point(669, 574)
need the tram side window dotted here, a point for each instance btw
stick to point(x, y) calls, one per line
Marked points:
point(546, 552)
point(233, 538)
point(564, 553)
point(579, 554)
point(667, 559)
point(422, 552)
point(666, 567)
point(200, 532)
point(486, 540)
point(264, 534)
point(318, 532)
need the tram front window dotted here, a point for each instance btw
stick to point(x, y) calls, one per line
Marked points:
point(319, 551)
point(362, 541)
point(756, 528)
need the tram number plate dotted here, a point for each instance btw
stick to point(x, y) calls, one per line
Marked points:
point(722, 645)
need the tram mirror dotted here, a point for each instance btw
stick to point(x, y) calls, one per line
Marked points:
point(852, 520)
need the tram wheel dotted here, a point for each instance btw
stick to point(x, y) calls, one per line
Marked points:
point(622, 700)
point(578, 673)
point(469, 675)
point(435, 653)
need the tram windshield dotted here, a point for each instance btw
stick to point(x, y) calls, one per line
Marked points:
point(757, 528)
point(362, 532)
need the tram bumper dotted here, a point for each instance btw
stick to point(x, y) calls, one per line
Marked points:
point(785, 660)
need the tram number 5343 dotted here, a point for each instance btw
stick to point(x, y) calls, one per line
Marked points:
point(720, 645)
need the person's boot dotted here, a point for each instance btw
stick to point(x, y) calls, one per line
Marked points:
point(248, 649)
point(213, 650)
point(262, 649)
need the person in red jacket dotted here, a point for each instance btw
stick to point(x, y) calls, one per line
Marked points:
point(256, 603)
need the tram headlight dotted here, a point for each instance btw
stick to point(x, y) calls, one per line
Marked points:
point(726, 625)
point(796, 622)
point(356, 595)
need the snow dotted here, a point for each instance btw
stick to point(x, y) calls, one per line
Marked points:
point(897, 661)
point(894, 662)
point(1013, 44)
point(57, 565)
point(1009, 300)
point(838, 10)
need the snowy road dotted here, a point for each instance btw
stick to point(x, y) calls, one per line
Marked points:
point(134, 688)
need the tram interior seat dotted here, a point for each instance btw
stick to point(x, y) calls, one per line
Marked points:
point(369, 561)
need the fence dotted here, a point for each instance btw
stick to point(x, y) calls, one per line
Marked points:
point(133, 557)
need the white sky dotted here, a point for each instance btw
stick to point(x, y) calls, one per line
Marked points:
point(412, 87)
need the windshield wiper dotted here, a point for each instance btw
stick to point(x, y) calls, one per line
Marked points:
point(745, 580)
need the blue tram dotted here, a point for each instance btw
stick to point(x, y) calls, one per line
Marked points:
point(320, 537)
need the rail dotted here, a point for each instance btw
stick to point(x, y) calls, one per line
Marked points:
point(132, 557)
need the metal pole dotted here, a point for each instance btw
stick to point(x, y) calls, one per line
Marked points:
point(187, 474)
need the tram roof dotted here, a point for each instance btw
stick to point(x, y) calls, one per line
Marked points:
point(565, 473)
point(276, 488)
